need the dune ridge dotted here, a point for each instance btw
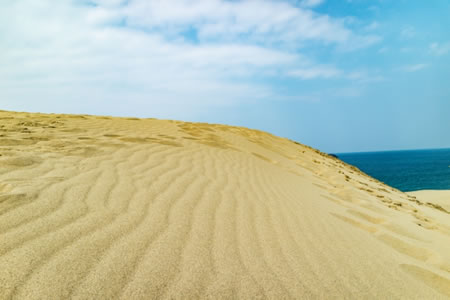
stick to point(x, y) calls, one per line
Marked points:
point(96, 207)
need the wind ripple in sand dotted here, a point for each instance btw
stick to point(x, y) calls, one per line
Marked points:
point(109, 208)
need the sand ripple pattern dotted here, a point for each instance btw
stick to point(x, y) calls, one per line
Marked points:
point(124, 208)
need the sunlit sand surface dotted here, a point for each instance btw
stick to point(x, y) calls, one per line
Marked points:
point(123, 208)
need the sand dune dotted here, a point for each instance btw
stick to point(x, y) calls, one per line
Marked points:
point(434, 197)
point(123, 208)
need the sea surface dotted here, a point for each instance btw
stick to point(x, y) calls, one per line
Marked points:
point(407, 171)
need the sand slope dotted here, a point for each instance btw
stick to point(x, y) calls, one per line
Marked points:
point(435, 197)
point(116, 208)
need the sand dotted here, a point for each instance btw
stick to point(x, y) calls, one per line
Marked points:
point(434, 197)
point(124, 208)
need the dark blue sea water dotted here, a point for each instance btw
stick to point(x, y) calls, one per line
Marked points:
point(405, 170)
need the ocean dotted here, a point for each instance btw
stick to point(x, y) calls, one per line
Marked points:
point(407, 171)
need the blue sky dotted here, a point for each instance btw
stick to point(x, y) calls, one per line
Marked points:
point(341, 76)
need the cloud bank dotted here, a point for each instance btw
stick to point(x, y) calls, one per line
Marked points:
point(174, 55)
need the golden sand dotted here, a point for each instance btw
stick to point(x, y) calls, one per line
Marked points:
point(436, 198)
point(116, 208)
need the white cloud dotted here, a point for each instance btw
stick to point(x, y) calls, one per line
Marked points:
point(262, 21)
point(118, 51)
point(330, 72)
point(440, 49)
point(414, 68)
point(315, 72)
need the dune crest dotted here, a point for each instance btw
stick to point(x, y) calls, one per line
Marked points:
point(122, 208)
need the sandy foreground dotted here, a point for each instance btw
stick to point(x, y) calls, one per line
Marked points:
point(122, 208)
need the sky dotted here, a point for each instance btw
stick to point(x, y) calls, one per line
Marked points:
point(340, 76)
